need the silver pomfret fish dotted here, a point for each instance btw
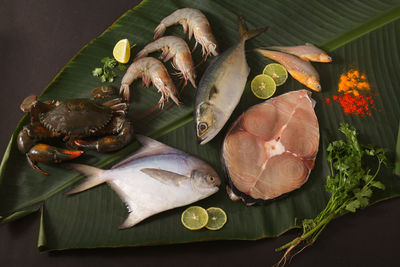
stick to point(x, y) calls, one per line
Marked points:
point(221, 87)
point(155, 179)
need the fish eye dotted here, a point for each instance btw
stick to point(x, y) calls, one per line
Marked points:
point(203, 126)
point(210, 179)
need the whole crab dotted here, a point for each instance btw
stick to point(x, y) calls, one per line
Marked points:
point(73, 120)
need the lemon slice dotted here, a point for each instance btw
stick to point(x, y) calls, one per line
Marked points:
point(277, 72)
point(263, 86)
point(122, 51)
point(216, 218)
point(194, 218)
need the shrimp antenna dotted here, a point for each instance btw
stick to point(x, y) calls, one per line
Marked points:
point(149, 111)
point(160, 112)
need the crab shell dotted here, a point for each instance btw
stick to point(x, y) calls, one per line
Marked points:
point(77, 117)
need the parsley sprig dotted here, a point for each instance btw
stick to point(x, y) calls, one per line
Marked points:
point(107, 73)
point(350, 184)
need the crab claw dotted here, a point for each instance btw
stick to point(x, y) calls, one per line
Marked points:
point(109, 143)
point(27, 103)
point(49, 154)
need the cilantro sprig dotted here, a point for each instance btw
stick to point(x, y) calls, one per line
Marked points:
point(107, 73)
point(350, 184)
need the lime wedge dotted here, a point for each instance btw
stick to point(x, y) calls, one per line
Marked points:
point(263, 86)
point(122, 51)
point(194, 218)
point(277, 72)
point(216, 218)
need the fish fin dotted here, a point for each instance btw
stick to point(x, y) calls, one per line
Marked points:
point(246, 34)
point(213, 92)
point(94, 177)
point(310, 44)
point(149, 147)
point(131, 221)
point(165, 177)
point(242, 26)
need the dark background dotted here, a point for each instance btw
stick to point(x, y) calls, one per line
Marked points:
point(37, 38)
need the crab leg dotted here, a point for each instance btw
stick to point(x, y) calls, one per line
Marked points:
point(110, 143)
point(49, 154)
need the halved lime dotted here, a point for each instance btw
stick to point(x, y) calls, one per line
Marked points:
point(263, 86)
point(194, 218)
point(277, 72)
point(122, 51)
point(216, 218)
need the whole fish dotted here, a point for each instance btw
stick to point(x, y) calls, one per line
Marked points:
point(300, 69)
point(221, 87)
point(305, 52)
point(155, 179)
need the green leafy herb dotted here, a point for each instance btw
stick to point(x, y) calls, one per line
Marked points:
point(350, 184)
point(106, 73)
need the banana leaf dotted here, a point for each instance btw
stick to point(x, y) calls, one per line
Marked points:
point(397, 162)
point(357, 34)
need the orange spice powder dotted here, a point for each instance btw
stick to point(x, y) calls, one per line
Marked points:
point(353, 82)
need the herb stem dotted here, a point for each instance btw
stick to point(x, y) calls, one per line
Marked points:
point(350, 186)
point(306, 235)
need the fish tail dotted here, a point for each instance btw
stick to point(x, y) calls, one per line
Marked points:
point(267, 53)
point(132, 220)
point(94, 177)
point(248, 34)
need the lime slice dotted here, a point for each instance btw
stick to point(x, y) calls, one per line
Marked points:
point(263, 86)
point(216, 218)
point(194, 218)
point(122, 51)
point(277, 72)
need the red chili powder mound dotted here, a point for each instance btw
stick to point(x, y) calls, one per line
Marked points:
point(354, 97)
point(358, 105)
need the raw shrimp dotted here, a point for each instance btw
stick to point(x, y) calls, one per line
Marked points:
point(176, 48)
point(197, 24)
point(150, 70)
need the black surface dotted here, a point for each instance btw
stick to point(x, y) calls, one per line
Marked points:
point(37, 38)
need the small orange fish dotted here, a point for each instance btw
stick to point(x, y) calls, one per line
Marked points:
point(305, 52)
point(300, 69)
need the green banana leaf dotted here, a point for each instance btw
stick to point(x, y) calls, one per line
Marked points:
point(357, 34)
point(397, 162)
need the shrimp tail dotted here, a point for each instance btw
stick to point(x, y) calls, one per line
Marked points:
point(124, 91)
point(173, 97)
point(141, 54)
point(192, 81)
point(159, 31)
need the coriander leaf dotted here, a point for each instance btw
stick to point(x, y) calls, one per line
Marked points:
point(106, 74)
point(378, 184)
point(105, 60)
point(365, 192)
point(353, 205)
point(350, 184)
point(122, 67)
point(363, 202)
point(97, 72)
point(109, 63)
